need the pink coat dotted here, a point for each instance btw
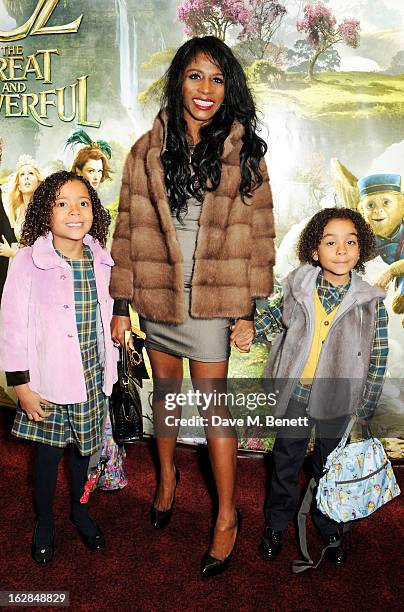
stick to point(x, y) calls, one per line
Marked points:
point(38, 330)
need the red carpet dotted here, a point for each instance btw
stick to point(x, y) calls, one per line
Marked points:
point(147, 570)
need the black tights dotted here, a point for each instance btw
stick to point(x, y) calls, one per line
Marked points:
point(45, 478)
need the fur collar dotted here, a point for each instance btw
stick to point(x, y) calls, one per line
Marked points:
point(155, 176)
point(158, 136)
point(302, 282)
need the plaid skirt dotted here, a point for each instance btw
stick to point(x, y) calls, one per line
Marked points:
point(80, 424)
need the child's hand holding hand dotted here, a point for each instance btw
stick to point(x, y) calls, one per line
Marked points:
point(31, 403)
point(242, 335)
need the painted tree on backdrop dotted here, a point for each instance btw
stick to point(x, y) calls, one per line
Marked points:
point(212, 17)
point(298, 58)
point(265, 17)
point(259, 20)
point(322, 32)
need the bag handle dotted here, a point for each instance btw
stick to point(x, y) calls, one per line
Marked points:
point(367, 432)
point(123, 357)
point(301, 565)
point(301, 523)
point(347, 431)
point(341, 444)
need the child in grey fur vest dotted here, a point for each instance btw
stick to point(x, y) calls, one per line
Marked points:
point(328, 361)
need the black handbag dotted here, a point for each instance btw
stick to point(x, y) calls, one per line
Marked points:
point(125, 404)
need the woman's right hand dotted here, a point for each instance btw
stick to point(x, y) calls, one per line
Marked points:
point(31, 402)
point(119, 325)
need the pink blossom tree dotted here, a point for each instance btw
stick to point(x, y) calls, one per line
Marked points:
point(322, 32)
point(264, 19)
point(204, 17)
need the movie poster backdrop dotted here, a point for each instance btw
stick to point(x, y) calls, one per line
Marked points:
point(328, 80)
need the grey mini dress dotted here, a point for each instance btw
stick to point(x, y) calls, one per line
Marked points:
point(198, 339)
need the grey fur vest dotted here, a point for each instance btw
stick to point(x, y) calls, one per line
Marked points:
point(344, 360)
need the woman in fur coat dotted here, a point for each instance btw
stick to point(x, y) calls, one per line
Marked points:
point(193, 247)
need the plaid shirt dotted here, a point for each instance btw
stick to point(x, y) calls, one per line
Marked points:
point(268, 323)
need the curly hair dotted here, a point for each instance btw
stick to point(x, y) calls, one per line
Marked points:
point(312, 234)
point(39, 213)
point(238, 105)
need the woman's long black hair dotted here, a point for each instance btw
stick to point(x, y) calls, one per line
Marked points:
point(238, 104)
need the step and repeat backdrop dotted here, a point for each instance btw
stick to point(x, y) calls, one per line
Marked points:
point(328, 80)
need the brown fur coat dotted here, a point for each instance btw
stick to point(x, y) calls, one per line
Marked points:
point(234, 253)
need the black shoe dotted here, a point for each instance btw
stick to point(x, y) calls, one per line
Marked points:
point(336, 554)
point(92, 542)
point(210, 566)
point(271, 543)
point(42, 554)
point(161, 518)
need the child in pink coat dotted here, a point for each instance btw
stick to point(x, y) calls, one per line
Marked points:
point(55, 343)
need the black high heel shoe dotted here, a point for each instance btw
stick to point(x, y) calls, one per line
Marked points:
point(42, 554)
point(210, 566)
point(161, 518)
